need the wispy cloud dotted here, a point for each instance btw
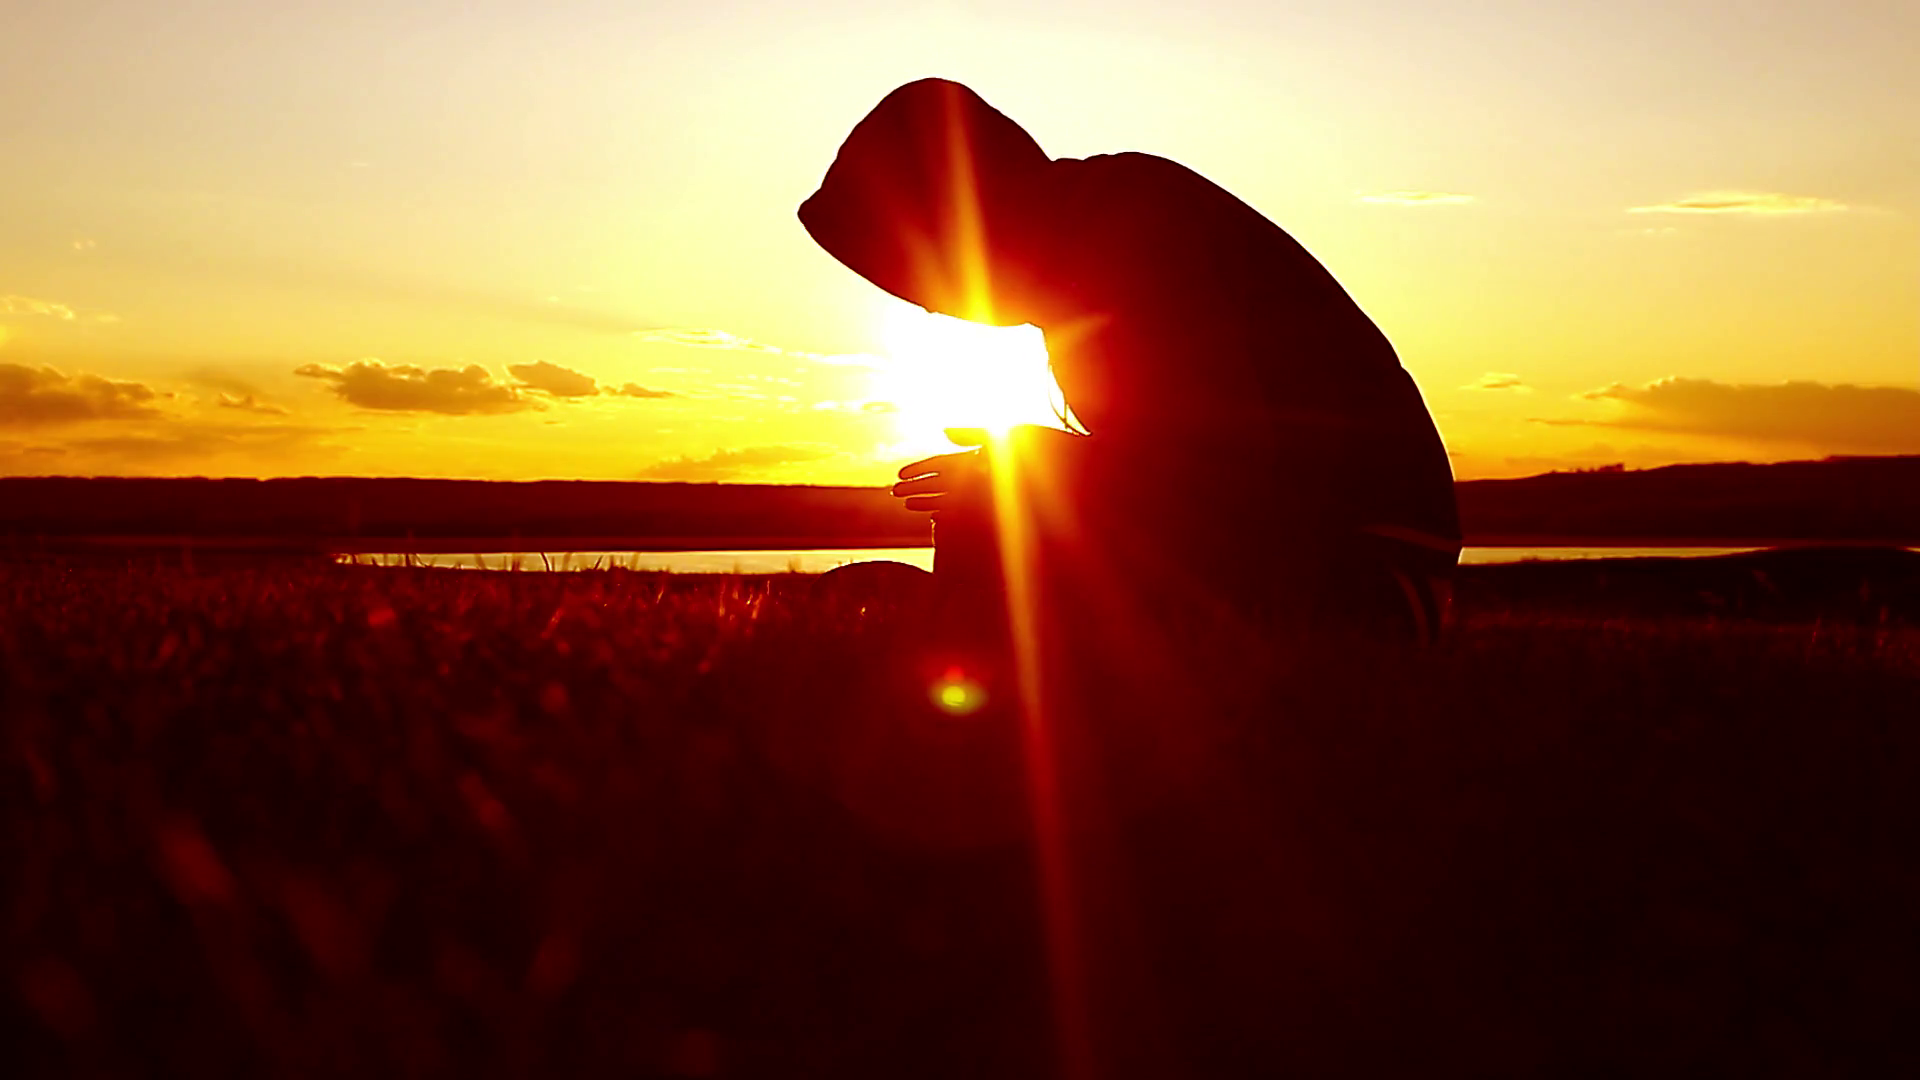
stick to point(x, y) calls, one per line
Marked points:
point(635, 390)
point(1836, 416)
point(1414, 198)
point(31, 397)
point(27, 305)
point(139, 451)
point(1765, 203)
point(554, 380)
point(725, 464)
point(468, 391)
point(251, 403)
point(1499, 380)
point(219, 379)
point(714, 339)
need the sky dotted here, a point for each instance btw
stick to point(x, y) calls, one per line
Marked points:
point(557, 238)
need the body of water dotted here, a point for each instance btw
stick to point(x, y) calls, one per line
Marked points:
point(819, 561)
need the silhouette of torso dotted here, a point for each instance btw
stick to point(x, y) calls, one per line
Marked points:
point(1245, 403)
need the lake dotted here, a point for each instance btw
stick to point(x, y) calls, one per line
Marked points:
point(820, 560)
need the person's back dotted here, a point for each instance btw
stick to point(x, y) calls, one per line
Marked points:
point(1252, 412)
point(1251, 430)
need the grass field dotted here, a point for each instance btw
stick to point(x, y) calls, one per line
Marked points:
point(310, 820)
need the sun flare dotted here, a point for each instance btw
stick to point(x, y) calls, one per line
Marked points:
point(941, 372)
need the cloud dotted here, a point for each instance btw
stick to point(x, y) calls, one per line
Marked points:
point(1836, 416)
point(554, 380)
point(221, 380)
point(252, 404)
point(1414, 198)
point(635, 390)
point(715, 339)
point(723, 339)
point(27, 305)
point(468, 391)
point(1499, 380)
point(14, 449)
point(722, 464)
point(234, 391)
point(35, 396)
point(188, 440)
point(1743, 202)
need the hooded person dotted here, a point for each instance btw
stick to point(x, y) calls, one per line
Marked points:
point(1248, 433)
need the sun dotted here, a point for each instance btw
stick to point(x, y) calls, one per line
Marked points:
point(940, 372)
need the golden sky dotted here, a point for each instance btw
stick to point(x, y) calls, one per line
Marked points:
point(557, 239)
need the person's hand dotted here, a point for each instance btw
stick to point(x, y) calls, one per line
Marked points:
point(937, 482)
point(946, 481)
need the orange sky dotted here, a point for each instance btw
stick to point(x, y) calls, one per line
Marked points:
point(518, 240)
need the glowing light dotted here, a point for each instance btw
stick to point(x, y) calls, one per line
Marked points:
point(944, 372)
point(957, 695)
point(999, 406)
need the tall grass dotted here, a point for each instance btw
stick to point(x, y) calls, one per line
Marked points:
point(298, 819)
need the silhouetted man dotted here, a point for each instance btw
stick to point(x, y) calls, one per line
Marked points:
point(1249, 433)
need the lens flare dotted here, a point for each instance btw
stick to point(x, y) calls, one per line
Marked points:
point(956, 695)
point(1058, 898)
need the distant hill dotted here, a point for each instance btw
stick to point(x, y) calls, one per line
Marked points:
point(452, 514)
point(1850, 499)
point(1854, 500)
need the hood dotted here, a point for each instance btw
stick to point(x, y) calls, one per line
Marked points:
point(926, 200)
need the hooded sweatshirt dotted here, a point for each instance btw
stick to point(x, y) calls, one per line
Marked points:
point(1230, 381)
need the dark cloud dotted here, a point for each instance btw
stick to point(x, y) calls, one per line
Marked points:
point(722, 464)
point(554, 379)
point(466, 391)
point(250, 403)
point(35, 396)
point(1836, 416)
point(635, 390)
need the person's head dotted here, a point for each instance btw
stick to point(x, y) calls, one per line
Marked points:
point(930, 199)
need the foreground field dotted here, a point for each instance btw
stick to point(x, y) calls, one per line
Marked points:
point(306, 819)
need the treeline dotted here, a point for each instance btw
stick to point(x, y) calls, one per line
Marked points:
point(1839, 499)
